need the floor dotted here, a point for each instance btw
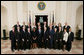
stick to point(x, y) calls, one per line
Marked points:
point(77, 48)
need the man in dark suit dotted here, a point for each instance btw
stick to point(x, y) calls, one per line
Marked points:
point(39, 37)
point(67, 27)
point(70, 40)
point(18, 38)
point(46, 38)
point(17, 25)
point(51, 34)
point(12, 35)
point(60, 38)
point(23, 32)
point(28, 37)
point(55, 38)
point(34, 38)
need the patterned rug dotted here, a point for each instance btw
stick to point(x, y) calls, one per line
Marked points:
point(77, 48)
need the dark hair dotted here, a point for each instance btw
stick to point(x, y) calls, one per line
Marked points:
point(65, 29)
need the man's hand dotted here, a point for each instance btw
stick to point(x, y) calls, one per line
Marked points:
point(46, 39)
point(60, 39)
point(49, 36)
point(27, 40)
point(16, 40)
point(23, 39)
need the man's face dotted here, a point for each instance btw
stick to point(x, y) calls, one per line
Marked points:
point(64, 30)
point(23, 23)
point(60, 28)
point(38, 23)
point(28, 29)
point(18, 23)
point(70, 29)
point(65, 23)
point(44, 22)
point(13, 28)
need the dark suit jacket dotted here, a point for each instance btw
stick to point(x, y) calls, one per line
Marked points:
point(23, 35)
point(45, 35)
point(70, 37)
point(28, 36)
point(12, 35)
point(55, 36)
point(39, 35)
point(18, 36)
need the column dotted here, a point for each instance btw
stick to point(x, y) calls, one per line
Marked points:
point(20, 11)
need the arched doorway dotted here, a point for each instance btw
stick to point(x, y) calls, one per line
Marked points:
point(79, 18)
point(3, 19)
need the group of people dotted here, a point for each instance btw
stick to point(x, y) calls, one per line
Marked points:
point(41, 36)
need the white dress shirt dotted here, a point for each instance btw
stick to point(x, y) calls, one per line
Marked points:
point(65, 38)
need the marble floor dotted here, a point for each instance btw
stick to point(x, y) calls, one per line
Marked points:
point(77, 48)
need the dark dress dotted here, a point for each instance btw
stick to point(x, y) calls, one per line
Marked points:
point(60, 37)
point(55, 40)
point(12, 36)
point(34, 35)
point(69, 41)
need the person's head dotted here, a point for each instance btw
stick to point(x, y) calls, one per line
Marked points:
point(66, 23)
point(17, 22)
point(70, 29)
point(23, 23)
point(29, 24)
point(52, 23)
point(13, 28)
point(28, 29)
point(59, 24)
point(65, 30)
point(55, 24)
point(34, 29)
point(59, 28)
point(50, 26)
point(38, 23)
point(45, 23)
